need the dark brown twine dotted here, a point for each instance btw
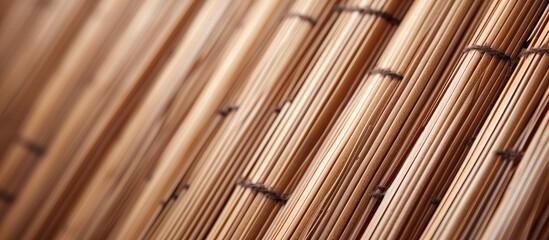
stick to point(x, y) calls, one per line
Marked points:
point(260, 188)
point(470, 141)
point(225, 111)
point(387, 73)
point(279, 108)
point(435, 201)
point(379, 191)
point(524, 53)
point(303, 17)
point(369, 11)
point(534, 50)
point(35, 148)
point(510, 155)
point(488, 50)
point(6, 196)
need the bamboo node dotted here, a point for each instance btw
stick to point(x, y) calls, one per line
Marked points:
point(510, 155)
point(386, 73)
point(369, 11)
point(303, 17)
point(490, 51)
point(260, 188)
point(34, 147)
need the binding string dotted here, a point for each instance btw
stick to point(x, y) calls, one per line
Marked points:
point(33, 147)
point(379, 192)
point(260, 188)
point(279, 108)
point(386, 73)
point(488, 50)
point(174, 196)
point(534, 51)
point(525, 53)
point(470, 141)
point(303, 17)
point(225, 111)
point(435, 201)
point(369, 11)
point(510, 155)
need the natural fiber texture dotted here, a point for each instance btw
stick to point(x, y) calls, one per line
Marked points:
point(262, 119)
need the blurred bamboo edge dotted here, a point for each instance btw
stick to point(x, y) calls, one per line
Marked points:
point(318, 119)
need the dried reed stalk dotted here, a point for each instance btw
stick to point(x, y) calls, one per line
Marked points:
point(492, 161)
point(470, 92)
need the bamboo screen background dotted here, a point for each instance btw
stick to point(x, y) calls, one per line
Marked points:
point(263, 119)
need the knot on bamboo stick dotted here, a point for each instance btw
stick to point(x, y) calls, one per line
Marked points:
point(6, 197)
point(260, 188)
point(369, 11)
point(303, 17)
point(488, 50)
point(33, 147)
point(510, 155)
point(226, 110)
point(386, 73)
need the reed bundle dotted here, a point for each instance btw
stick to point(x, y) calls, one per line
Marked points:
point(320, 119)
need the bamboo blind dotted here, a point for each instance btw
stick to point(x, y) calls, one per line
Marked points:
point(261, 119)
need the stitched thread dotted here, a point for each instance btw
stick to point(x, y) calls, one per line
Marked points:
point(31, 146)
point(225, 111)
point(510, 155)
point(488, 50)
point(369, 11)
point(260, 188)
point(470, 141)
point(387, 73)
point(279, 108)
point(534, 50)
point(303, 17)
point(435, 201)
point(6, 196)
point(379, 192)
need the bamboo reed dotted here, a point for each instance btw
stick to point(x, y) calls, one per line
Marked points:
point(317, 119)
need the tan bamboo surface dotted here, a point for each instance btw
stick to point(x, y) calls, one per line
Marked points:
point(214, 185)
point(121, 159)
point(261, 119)
point(327, 170)
point(83, 57)
point(467, 97)
point(42, 51)
point(523, 209)
point(98, 113)
point(493, 160)
point(290, 142)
